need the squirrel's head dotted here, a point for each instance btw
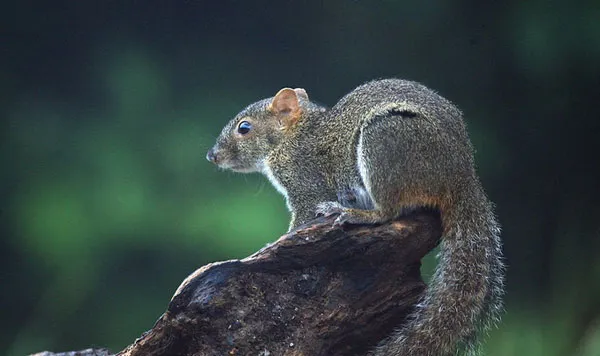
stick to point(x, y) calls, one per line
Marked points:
point(247, 140)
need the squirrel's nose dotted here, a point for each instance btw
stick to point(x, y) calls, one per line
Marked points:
point(212, 155)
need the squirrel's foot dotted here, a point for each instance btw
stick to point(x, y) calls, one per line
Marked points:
point(329, 208)
point(358, 216)
point(349, 215)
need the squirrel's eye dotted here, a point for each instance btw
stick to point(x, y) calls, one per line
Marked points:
point(244, 127)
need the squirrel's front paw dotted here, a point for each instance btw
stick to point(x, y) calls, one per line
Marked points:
point(343, 219)
point(328, 208)
point(348, 217)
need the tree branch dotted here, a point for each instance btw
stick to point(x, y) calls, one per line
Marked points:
point(317, 290)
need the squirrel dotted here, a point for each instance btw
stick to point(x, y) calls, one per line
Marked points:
point(388, 147)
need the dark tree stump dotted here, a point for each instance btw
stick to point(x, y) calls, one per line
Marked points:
point(318, 290)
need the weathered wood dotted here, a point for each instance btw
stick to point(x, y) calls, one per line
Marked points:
point(318, 290)
point(86, 352)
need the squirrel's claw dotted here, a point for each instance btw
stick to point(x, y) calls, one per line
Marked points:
point(346, 216)
point(329, 208)
point(342, 220)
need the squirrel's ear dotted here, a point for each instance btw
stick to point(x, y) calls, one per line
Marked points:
point(301, 93)
point(286, 102)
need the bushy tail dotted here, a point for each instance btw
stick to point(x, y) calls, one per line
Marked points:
point(464, 296)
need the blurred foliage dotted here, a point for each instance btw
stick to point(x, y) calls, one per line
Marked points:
point(108, 109)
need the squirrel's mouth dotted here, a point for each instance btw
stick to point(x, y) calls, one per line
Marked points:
point(226, 161)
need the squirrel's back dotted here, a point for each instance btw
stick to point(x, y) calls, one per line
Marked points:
point(416, 135)
point(368, 97)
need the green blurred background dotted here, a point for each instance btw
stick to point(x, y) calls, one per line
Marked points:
point(108, 108)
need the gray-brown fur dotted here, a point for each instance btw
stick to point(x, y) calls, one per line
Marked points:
point(387, 147)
